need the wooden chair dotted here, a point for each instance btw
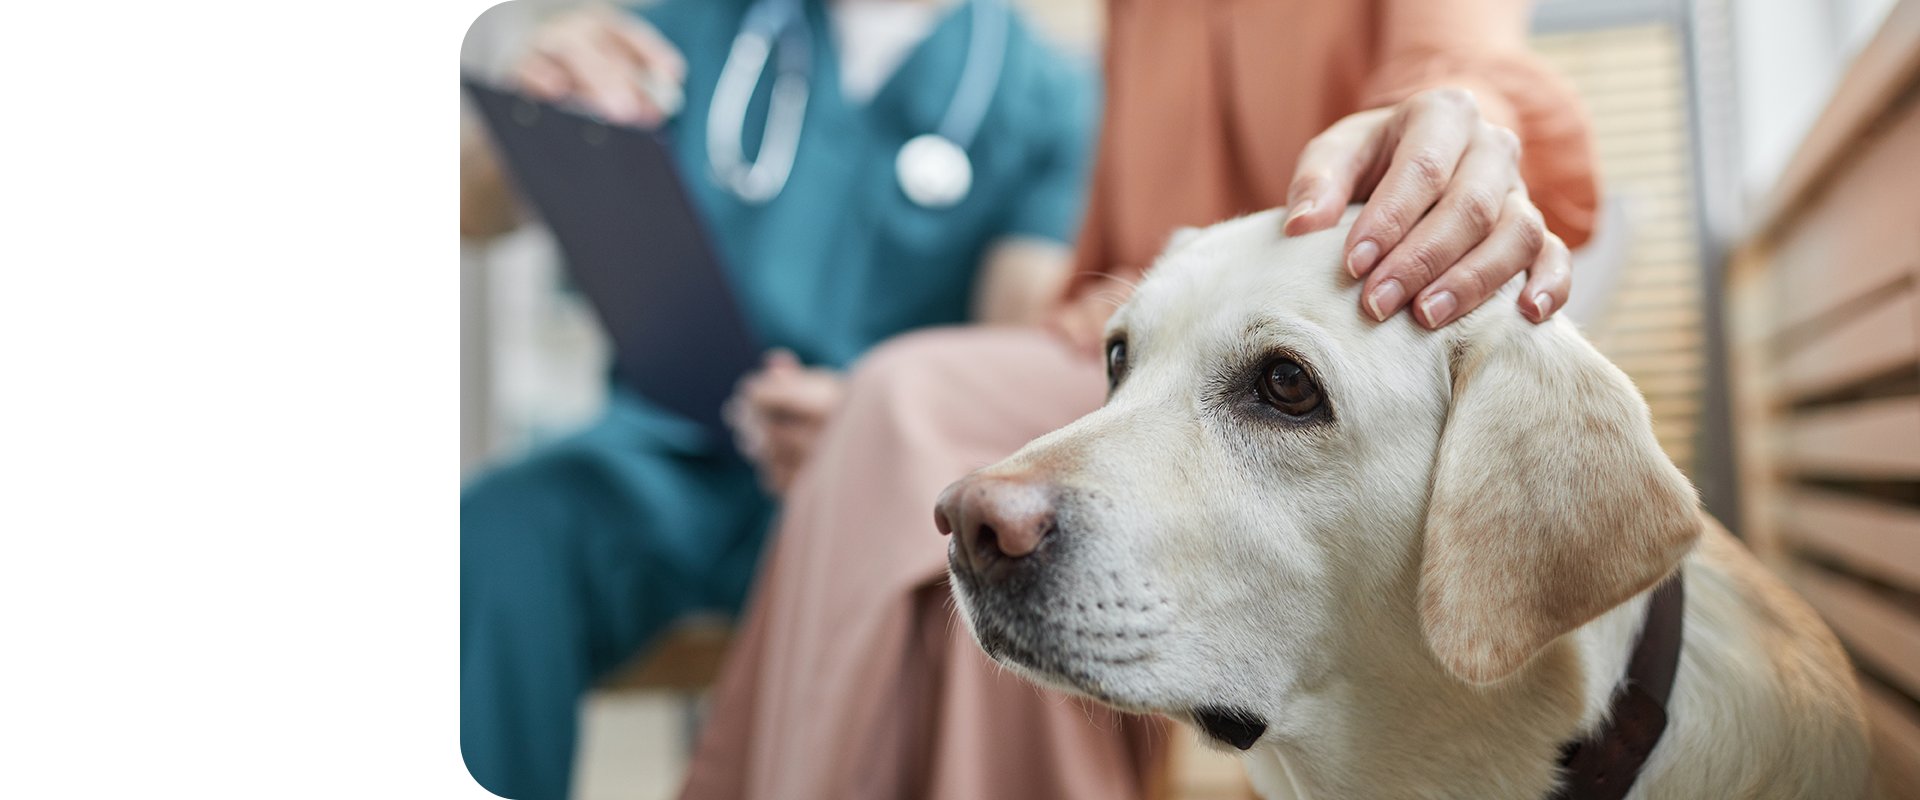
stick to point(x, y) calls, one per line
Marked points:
point(686, 661)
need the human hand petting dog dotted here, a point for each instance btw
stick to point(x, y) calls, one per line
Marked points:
point(615, 63)
point(1447, 220)
point(777, 414)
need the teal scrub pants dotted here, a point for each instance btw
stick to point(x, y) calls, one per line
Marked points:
point(573, 560)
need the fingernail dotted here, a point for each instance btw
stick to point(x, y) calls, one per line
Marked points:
point(1298, 211)
point(1385, 300)
point(1439, 308)
point(1544, 303)
point(1362, 258)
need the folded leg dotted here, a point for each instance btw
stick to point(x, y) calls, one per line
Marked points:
point(851, 677)
point(572, 560)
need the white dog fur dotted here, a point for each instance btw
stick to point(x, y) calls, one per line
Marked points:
point(1426, 591)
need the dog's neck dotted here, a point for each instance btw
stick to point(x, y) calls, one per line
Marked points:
point(1404, 727)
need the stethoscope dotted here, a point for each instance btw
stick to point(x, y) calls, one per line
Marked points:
point(933, 168)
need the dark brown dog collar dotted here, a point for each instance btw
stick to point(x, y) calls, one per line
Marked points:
point(1604, 766)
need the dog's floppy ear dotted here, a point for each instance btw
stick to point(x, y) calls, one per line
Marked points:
point(1552, 501)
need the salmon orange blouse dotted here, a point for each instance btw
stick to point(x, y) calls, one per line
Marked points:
point(1209, 102)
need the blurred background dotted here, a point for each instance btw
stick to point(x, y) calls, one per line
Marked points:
point(1754, 272)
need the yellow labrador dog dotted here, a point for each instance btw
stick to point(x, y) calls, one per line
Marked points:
point(1393, 563)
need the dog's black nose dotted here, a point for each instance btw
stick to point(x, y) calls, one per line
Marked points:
point(995, 520)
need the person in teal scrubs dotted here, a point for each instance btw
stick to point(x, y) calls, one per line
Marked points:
point(577, 556)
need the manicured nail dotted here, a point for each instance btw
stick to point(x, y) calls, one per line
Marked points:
point(1361, 259)
point(1544, 303)
point(1298, 211)
point(1385, 299)
point(1439, 308)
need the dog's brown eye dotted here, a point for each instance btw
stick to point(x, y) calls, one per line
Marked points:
point(1286, 386)
point(1116, 362)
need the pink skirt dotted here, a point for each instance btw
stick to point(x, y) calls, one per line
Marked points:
point(851, 677)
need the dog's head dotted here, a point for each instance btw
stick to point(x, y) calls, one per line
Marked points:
point(1280, 495)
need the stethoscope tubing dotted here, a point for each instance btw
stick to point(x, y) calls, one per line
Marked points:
point(780, 26)
point(986, 58)
point(767, 22)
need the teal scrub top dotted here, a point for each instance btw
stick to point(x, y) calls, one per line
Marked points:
point(841, 259)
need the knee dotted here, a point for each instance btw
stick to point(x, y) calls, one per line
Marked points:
point(945, 387)
point(909, 357)
point(911, 373)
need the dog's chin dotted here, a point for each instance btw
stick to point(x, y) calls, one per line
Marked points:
point(1047, 666)
point(1027, 643)
point(1101, 634)
point(1058, 665)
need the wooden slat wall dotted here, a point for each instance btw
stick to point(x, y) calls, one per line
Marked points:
point(1864, 440)
point(1631, 79)
point(1824, 332)
point(1866, 220)
point(1873, 342)
point(1870, 538)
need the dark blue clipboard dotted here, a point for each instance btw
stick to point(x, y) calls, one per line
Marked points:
point(635, 246)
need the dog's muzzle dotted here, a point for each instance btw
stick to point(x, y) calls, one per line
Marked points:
point(1003, 546)
point(1037, 594)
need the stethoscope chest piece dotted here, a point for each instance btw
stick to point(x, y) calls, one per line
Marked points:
point(934, 172)
point(933, 168)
